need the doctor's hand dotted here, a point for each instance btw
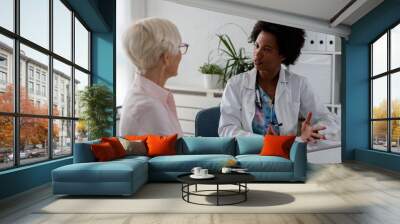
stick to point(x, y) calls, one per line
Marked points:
point(271, 131)
point(310, 133)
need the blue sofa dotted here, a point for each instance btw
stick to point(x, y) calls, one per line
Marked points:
point(125, 176)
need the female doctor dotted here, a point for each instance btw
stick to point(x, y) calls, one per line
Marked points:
point(269, 99)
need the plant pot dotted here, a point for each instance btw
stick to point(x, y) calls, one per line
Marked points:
point(212, 81)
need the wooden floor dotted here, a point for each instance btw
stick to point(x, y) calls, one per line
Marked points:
point(378, 188)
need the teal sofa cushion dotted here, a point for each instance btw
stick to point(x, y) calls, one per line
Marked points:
point(129, 159)
point(185, 163)
point(114, 171)
point(206, 145)
point(249, 144)
point(257, 163)
point(118, 177)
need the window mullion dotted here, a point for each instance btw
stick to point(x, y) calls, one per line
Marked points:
point(50, 87)
point(73, 82)
point(371, 92)
point(389, 106)
point(16, 83)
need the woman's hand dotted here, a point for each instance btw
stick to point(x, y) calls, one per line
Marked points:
point(310, 133)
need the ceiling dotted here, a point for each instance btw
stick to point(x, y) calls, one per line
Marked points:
point(325, 16)
point(319, 9)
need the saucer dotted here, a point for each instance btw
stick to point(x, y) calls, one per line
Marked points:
point(208, 176)
point(240, 171)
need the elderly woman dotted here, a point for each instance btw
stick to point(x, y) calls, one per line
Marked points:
point(154, 46)
point(269, 99)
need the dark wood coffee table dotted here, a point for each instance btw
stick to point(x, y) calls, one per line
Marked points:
point(238, 179)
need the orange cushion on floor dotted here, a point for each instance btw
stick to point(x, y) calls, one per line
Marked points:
point(275, 145)
point(103, 152)
point(161, 145)
point(116, 145)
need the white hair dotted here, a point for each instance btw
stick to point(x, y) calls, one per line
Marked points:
point(147, 39)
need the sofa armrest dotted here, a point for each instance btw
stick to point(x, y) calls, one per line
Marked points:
point(83, 152)
point(298, 155)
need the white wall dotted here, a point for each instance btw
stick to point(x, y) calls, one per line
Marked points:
point(317, 69)
point(127, 12)
point(198, 28)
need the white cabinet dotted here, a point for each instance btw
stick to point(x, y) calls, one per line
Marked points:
point(330, 43)
point(321, 42)
point(310, 42)
point(320, 62)
point(318, 70)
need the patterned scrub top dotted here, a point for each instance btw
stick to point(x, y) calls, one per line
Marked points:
point(262, 117)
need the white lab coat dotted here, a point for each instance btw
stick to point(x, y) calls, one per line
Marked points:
point(293, 98)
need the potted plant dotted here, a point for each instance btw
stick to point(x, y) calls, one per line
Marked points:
point(236, 59)
point(213, 75)
point(97, 104)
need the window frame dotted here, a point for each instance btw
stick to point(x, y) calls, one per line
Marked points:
point(16, 114)
point(388, 74)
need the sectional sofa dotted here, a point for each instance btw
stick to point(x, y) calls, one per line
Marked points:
point(125, 176)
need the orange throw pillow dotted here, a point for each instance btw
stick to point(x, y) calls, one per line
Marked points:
point(161, 145)
point(103, 152)
point(116, 145)
point(275, 145)
point(136, 137)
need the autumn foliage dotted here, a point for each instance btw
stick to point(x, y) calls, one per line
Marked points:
point(380, 127)
point(33, 131)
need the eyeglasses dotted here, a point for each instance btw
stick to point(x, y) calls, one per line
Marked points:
point(183, 47)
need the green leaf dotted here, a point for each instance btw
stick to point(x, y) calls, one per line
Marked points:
point(97, 109)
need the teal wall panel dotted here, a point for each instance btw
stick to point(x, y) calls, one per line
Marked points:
point(24, 178)
point(102, 59)
point(376, 158)
point(355, 76)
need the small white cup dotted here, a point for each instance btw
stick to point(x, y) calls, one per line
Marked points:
point(203, 172)
point(196, 170)
point(226, 170)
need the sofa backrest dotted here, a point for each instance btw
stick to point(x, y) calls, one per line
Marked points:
point(206, 122)
point(191, 146)
point(83, 152)
point(206, 145)
point(249, 144)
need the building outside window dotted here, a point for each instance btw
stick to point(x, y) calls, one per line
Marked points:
point(37, 75)
point(30, 87)
point(30, 72)
point(43, 90)
point(3, 78)
point(3, 61)
point(38, 89)
point(44, 77)
point(3, 71)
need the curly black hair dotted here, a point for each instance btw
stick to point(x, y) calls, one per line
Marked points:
point(290, 40)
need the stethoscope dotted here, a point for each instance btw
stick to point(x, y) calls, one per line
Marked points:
point(259, 102)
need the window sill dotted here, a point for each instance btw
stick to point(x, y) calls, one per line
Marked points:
point(26, 167)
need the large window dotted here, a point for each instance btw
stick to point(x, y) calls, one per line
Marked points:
point(385, 91)
point(44, 64)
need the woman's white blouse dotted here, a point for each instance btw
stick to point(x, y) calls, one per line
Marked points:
point(149, 109)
